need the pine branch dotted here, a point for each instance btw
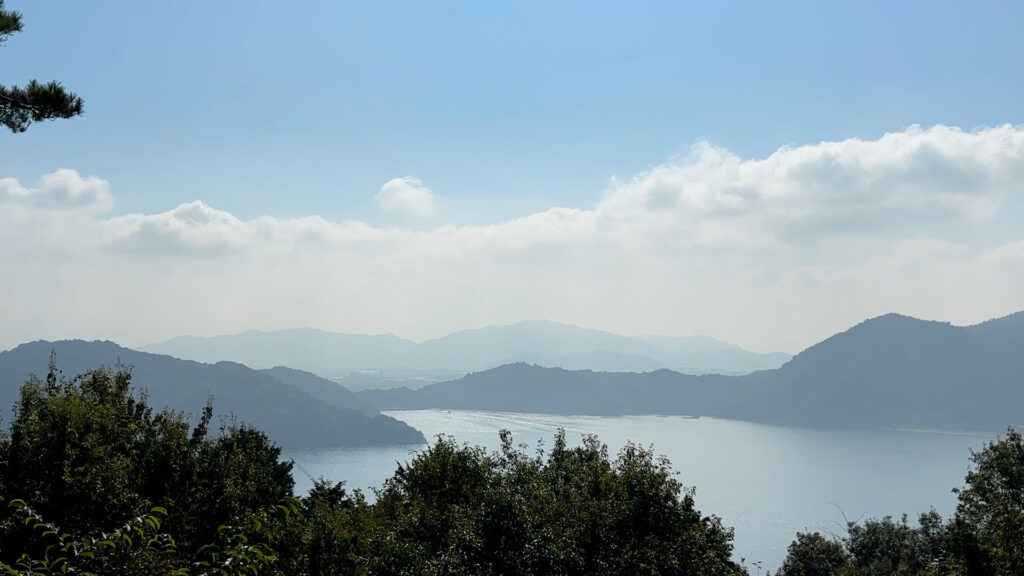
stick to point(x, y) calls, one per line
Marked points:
point(10, 22)
point(19, 107)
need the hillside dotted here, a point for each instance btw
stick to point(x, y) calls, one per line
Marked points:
point(890, 371)
point(902, 372)
point(393, 361)
point(292, 417)
point(322, 389)
point(527, 388)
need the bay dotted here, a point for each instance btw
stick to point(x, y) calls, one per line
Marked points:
point(767, 482)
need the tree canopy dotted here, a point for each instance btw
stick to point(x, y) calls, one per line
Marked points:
point(98, 482)
point(20, 106)
point(88, 454)
point(94, 481)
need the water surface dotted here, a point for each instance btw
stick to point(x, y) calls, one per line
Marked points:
point(767, 482)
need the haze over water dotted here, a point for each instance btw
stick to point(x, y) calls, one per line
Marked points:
point(767, 482)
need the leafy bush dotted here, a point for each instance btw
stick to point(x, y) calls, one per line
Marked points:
point(460, 510)
point(141, 492)
point(88, 454)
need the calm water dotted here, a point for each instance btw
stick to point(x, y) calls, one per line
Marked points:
point(767, 482)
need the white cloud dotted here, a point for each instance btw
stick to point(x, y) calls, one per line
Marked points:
point(62, 189)
point(192, 228)
point(912, 178)
point(774, 253)
point(406, 195)
point(1012, 253)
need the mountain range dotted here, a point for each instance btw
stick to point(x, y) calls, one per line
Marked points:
point(523, 387)
point(890, 371)
point(296, 409)
point(386, 360)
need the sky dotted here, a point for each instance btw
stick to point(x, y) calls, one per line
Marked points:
point(765, 174)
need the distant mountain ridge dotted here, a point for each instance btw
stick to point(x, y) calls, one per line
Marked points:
point(300, 412)
point(895, 370)
point(322, 389)
point(890, 371)
point(524, 387)
point(539, 342)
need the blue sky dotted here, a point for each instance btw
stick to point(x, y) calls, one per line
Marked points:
point(504, 108)
point(499, 112)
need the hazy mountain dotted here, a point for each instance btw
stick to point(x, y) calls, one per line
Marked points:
point(322, 389)
point(598, 361)
point(706, 355)
point(394, 378)
point(324, 353)
point(484, 347)
point(526, 388)
point(900, 371)
point(738, 362)
point(891, 371)
point(289, 415)
point(391, 359)
point(684, 345)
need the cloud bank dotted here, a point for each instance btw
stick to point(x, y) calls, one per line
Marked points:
point(773, 253)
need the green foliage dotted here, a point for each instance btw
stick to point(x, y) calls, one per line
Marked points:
point(244, 549)
point(139, 548)
point(986, 537)
point(452, 510)
point(136, 548)
point(885, 547)
point(76, 446)
point(88, 455)
point(812, 554)
point(228, 477)
point(990, 512)
point(105, 485)
point(10, 23)
point(873, 548)
point(460, 510)
point(326, 535)
point(5, 448)
point(37, 101)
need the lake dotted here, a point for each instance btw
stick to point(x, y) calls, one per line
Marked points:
point(767, 482)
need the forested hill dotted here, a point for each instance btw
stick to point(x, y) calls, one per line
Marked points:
point(322, 389)
point(890, 371)
point(524, 387)
point(898, 371)
point(288, 414)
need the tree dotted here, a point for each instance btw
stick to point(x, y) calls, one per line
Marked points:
point(990, 512)
point(889, 548)
point(874, 547)
point(36, 101)
point(812, 554)
point(141, 548)
point(327, 535)
point(459, 510)
point(89, 454)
